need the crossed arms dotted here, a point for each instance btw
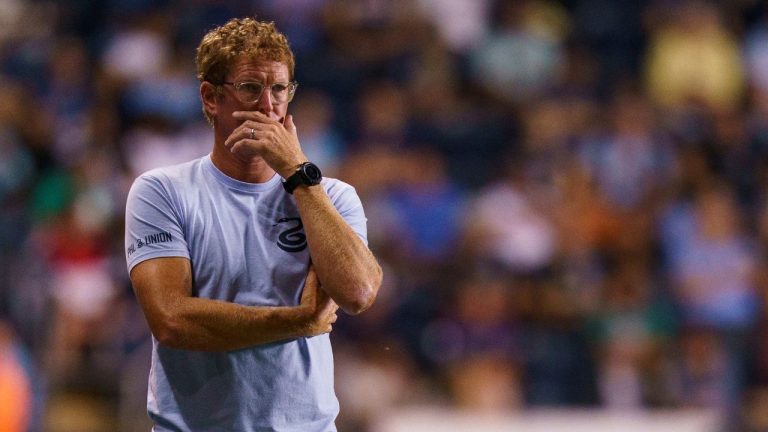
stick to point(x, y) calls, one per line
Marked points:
point(343, 274)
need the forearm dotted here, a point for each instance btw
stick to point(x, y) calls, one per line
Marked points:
point(348, 271)
point(211, 325)
point(163, 289)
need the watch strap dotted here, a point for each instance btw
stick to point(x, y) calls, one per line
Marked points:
point(306, 174)
point(293, 181)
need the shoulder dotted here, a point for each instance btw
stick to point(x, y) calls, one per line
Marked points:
point(171, 173)
point(168, 177)
point(168, 185)
point(339, 191)
point(343, 196)
point(335, 187)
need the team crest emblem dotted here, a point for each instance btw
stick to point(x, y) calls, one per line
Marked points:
point(291, 239)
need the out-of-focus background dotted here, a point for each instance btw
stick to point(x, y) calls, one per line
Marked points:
point(569, 199)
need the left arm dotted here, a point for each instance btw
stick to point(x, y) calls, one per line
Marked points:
point(348, 271)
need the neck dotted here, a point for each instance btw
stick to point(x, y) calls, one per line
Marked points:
point(253, 170)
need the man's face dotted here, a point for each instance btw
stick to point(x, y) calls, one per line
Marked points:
point(264, 72)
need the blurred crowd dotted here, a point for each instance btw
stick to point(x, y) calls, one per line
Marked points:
point(569, 198)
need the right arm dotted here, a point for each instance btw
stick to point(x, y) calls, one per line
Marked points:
point(163, 288)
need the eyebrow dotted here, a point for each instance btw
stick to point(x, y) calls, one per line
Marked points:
point(256, 80)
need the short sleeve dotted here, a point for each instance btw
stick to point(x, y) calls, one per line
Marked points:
point(153, 222)
point(347, 202)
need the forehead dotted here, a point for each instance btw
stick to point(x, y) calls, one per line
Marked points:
point(263, 70)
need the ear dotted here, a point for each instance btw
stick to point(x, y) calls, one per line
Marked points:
point(209, 96)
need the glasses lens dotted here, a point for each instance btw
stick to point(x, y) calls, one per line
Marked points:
point(280, 92)
point(250, 92)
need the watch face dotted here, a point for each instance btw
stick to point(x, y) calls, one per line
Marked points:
point(313, 173)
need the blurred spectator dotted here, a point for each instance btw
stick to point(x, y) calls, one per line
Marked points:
point(631, 328)
point(557, 367)
point(300, 21)
point(523, 56)
point(461, 24)
point(504, 227)
point(704, 375)
point(755, 409)
point(477, 343)
point(712, 271)
point(383, 113)
point(374, 364)
point(693, 59)
point(374, 35)
point(68, 98)
point(320, 140)
point(17, 391)
point(155, 142)
point(632, 160)
point(420, 215)
point(613, 33)
point(755, 53)
point(139, 49)
point(84, 292)
point(17, 175)
point(712, 262)
point(466, 130)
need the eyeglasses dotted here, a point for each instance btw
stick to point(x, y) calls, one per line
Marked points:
point(250, 92)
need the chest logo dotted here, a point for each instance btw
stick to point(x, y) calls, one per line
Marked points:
point(291, 238)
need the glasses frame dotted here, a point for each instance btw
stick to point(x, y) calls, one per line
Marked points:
point(291, 86)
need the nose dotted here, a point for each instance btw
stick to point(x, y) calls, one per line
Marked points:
point(264, 104)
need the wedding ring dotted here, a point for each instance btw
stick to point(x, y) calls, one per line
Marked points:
point(253, 133)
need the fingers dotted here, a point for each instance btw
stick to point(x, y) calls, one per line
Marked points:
point(255, 116)
point(245, 132)
point(324, 309)
point(323, 322)
point(330, 321)
point(289, 125)
point(255, 126)
point(332, 316)
point(260, 121)
point(259, 135)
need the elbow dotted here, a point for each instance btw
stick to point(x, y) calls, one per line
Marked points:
point(168, 332)
point(359, 304)
point(365, 296)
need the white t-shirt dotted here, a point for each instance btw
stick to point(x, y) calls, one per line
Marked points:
point(246, 245)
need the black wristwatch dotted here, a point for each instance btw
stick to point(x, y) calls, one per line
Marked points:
point(306, 174)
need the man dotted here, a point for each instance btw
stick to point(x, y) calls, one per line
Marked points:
point(241, 258)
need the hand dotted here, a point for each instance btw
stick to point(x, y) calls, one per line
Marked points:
point(277, 143)
point(320, 308)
